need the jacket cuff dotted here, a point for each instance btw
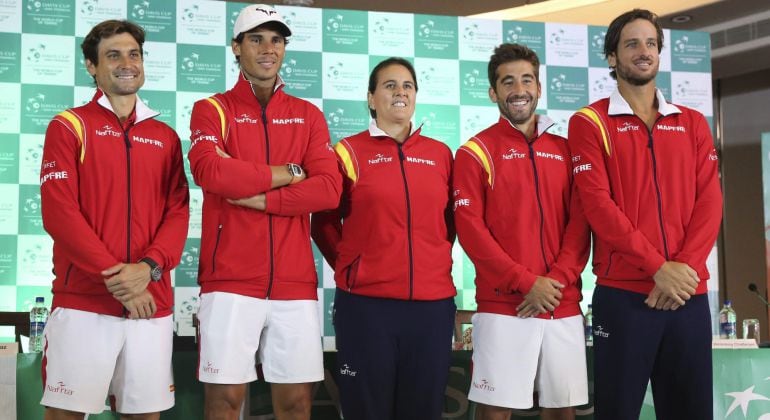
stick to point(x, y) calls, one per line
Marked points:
point(273, 201)
point(653, 264)
point(526, 281)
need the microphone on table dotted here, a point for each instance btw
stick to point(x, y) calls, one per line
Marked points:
point(753, 289)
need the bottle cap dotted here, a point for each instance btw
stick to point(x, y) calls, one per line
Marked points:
point(39, 299)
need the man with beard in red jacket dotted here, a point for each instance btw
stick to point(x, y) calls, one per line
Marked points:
point(647, 176)
point(264, 161)
point(518, 219)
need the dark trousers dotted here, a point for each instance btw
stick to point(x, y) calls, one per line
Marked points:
point(393, 356)
point(634, 344)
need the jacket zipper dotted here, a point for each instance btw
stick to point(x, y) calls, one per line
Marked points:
point(401, 159)
point(216, 245)
point(540, 209)
point(539, 204)
point(269, 216)
point(657, 189)
point(128, 188)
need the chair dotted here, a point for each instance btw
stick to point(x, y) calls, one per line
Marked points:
point(18, 320)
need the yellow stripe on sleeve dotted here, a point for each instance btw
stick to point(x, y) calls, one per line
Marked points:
point(479, 152)
point(347, 161)
point(221, 115)
point(593, 116)
point(78, 127)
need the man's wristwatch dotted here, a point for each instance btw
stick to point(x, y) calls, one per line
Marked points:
point(156, 271)
point(295, 171)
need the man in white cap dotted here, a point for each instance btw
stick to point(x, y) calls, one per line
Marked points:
point(264, 161)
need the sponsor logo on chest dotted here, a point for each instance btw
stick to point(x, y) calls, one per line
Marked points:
point(245, 119)
point(380, 158)
point(513, 154)
point(149, 141)
point(107, 131)
point(288, 121)
point(676, 128)
point(627, 126)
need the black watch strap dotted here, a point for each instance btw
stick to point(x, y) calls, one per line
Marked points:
point(156, 271)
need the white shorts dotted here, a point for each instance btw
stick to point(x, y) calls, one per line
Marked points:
point(236, 331)
point(513, 357)
point(88, 356)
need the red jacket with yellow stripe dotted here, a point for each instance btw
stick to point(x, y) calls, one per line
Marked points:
point(263, 254)
point(111, 193)
point(396, 239)
point(517, 216)
point(650, 195)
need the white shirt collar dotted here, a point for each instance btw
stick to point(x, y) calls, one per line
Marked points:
point(619, 106)
point(375, 131)
point(143, 112)
point(542, 121)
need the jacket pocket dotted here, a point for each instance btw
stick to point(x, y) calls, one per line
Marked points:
point(216, 246)
point(351, 273)
point(67, 275)
point(609, 263)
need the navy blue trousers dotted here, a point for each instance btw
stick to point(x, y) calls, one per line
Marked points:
point(393, 356)
point(634, 344)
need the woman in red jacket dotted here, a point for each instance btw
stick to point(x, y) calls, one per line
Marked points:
point(394, 306)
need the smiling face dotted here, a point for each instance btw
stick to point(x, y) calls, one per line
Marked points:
point(516, 91)
point(394, 95)
point(261, 54)
point(636, 59)
point(120, 71)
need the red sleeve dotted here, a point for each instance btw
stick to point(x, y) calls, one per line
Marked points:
point(167, 247)
point(229, 178)
point(470, 181)
point(575, 244)
point(59, 192)
point(321, 189)
point(703, 227)
point(607, 220)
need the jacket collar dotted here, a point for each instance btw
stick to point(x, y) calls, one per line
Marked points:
point(375, 131)
point(142, 111)
point(542, 121)
point(243, 86)
point(619, 106)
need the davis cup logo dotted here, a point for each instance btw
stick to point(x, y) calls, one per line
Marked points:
point(334, 71)
point(380, 25)
point(471, 78)
point(189, 62)
point(31, 206)
point(469, 32)
point(513, 34)
point(425, 29)
point(35, 53)
point(139, 11)
point(289, 18)
point(186, 112)
point(88, 7)
point(189, 306)
point(35, 103)
point(234, 17)
point(555, 38)
point(333, 23)
point(288, 66)
point(597, 41)
point(557, 83)
point(426, 74)
point(473, 122)
point(34, 5)
point(188, 15)
point(334, 119)
point(33, 155)
point(602, 84)
point(427, 120)
point(683, 88)
point(680, 45)
point(31, 254)
point(190, 257)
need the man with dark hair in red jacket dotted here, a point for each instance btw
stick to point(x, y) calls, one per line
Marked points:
point(518, 219)
point(647, 175)
point(264, 161)
point(115, 201)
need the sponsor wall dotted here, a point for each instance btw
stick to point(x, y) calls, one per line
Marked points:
point(187, 57)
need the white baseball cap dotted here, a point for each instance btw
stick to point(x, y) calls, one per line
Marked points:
point(255, 15)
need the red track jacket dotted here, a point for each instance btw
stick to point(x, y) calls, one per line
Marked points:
point(517, 216)
point(111, 193)
point(263, 254)
point(395, 241)
point(650, 196)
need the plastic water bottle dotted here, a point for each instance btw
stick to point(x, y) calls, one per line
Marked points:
point(38, 316)
point(727, 321)
point(589, 322)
